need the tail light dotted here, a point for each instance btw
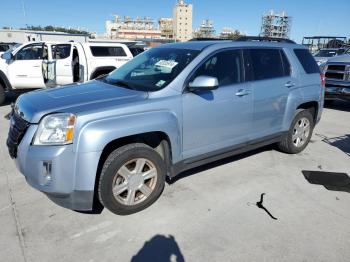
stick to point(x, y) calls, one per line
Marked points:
point(323, 80)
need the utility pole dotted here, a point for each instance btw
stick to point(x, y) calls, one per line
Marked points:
point(24, 13)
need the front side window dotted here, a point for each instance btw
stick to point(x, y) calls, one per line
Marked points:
point(30, 52)
point(152, 70)
point(105, 51)
point(226, 66)
point(61, 51)
point(267, 63)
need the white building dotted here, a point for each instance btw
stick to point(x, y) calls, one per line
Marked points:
point(182, 16)
point(22, 36)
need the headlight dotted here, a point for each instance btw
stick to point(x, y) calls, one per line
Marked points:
point(56, 129)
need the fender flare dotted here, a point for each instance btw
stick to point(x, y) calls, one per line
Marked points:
point(4, 79)
point(102, 68)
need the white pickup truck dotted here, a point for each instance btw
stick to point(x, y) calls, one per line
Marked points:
point(49, 64)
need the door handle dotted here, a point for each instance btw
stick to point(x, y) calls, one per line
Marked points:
point(242, 92)
point(36, 66)
point(289, 84)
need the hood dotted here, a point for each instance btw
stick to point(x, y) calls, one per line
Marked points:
point(340, 59)
point(93, 95)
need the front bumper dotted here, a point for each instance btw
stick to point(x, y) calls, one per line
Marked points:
point(337, 90)
point(66, 177)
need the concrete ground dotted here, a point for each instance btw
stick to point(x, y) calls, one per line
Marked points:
point(209, 214)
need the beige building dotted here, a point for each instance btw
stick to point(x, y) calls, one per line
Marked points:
point(166, 27)
point(182, 23)
point(130, 28)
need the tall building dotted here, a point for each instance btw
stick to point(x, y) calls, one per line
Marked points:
point(276, 25)
point(129, 28)
point(206, 30)
point(182, 16)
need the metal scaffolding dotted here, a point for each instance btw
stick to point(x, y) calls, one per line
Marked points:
point(276, 25)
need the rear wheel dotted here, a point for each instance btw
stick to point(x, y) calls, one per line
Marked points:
point(132, 179)
point(2, 94)
point(299, 134)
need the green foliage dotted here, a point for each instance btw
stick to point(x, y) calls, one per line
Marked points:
point(51, 28)
point(236, 34)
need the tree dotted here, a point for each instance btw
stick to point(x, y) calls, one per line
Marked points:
point(235, 35)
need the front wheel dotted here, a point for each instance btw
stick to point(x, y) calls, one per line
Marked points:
point(132, 178)
point(299, 134)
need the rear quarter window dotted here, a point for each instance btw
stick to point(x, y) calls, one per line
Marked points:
point(105, 51)
point(307, 61)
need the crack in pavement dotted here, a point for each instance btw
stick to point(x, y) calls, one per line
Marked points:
point(15, 215)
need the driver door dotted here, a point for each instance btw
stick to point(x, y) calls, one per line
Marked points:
point(25, 70)
point(219, 119)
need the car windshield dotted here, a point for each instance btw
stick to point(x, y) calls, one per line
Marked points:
point(152, 70)
point(326, 53)
point(347, 52)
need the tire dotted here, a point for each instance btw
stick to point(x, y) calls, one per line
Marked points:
point(2, 95)
point(140, 171)
point(289, 144)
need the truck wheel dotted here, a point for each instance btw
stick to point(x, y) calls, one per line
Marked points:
point(132, 178)
point(299, 134)
point(2, 95)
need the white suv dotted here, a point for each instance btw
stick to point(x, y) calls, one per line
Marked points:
point(48, 64)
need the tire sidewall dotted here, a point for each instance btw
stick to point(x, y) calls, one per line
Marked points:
point(108, 173)
point(298, 116)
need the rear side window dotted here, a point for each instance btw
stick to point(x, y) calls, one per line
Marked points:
point(101, 51)
point(266, 63)
point(307, 61)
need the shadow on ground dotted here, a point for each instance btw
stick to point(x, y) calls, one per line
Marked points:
point(338, 105)
point(217, 163)
point(330, 180)
point(10, 97)
point(340, 142)
point(159, 248)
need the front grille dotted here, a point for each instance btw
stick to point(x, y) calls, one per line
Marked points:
point(18, 127)
point(336, 67)
point(334, 75)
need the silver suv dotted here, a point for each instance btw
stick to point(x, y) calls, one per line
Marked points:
point(114, 140)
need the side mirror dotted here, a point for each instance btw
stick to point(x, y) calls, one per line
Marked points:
point(203, 83)
point(7, 56)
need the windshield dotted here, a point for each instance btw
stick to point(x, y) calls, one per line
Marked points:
point(152, 70)
point(326, 53)
point(347, 52)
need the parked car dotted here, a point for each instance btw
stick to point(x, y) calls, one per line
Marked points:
point(337, 74)
point(48, 64)
point(324, 54)
point(5, 46)
point(171, 108)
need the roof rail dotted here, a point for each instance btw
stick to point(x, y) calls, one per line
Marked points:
point(265, 39)
point(207, 39)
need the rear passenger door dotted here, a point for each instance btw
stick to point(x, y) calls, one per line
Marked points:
point(270, 73)
point(62, 58)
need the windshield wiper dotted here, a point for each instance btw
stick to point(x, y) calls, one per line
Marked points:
point(118, 82)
